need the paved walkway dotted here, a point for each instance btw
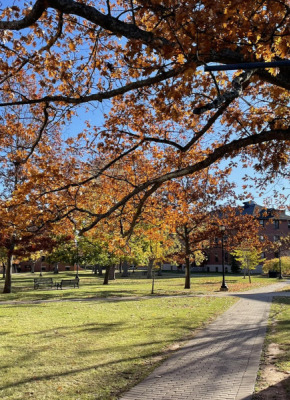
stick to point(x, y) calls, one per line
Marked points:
point(221, 362)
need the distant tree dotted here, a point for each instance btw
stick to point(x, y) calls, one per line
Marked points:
point(235, 266)
point(249, 258)
point(274, 265)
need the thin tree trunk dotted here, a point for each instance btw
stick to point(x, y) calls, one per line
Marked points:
point(187, 273)
point(125, 267)
point(153, 281)
point(8, 277)
point(106, 279)
point(150, 267)
point(250, 281)
point(187, 256)
point(3, 270)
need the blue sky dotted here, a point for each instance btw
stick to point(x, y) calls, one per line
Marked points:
point(95, 115)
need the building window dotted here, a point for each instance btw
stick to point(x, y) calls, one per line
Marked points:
point(226, 256)
point(263, 255)
point(43, 268)
point(216, 240)
point(216, 258)
point(276, 224)
point(262, 238)
point(276, 254)
point(288, 223)
point(262, 222)
point(67, 268)
point(276, 238)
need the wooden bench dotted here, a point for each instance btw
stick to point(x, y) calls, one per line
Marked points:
point(42, 282)
point(68, 282)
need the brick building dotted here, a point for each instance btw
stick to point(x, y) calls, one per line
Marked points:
point(274, 224)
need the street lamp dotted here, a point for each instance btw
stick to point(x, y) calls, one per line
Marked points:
point(77, 248)
point(224, 287)
point(40, 274)
point(279, 244)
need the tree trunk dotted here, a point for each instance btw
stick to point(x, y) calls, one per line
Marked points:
point(150, 267)
point(106, 279)
point(112, 270)
point(153, 281)
point(8, 277)
point(100, 270)
point(3, 270)
point(187, 262)
point(249, 272)
point(125, 267)
point(187, 273)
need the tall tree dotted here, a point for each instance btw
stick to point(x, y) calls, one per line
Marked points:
point(148, 58)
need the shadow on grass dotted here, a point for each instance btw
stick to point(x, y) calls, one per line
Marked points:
point(265, 297)
point(193, 353)
point(279, 391)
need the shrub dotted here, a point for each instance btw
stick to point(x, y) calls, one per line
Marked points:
point(273, 265)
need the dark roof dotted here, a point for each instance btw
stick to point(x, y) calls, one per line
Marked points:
point(252, 208)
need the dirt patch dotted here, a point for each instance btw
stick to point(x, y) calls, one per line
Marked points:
point(271, 384)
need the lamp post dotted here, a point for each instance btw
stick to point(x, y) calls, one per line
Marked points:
point(279, 244)
point(77, 249)
point(40, 274)
point(224, 287)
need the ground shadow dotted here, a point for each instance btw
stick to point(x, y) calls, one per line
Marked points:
point(279, 391)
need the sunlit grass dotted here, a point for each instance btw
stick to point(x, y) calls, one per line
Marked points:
point(279, 331)
point(276, 354)
point(92, 350)
point(136, 285)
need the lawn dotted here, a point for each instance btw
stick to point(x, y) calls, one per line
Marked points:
point(136, 285)
point(90, 350)
point(274, 375)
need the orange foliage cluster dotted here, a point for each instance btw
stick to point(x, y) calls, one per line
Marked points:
point(167, 119)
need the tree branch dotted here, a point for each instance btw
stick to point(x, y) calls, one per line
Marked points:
point(219, 153)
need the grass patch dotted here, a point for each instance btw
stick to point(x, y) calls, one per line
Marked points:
point(279, 331)
point(136, 285)
point(92, 350)
point(273, 377)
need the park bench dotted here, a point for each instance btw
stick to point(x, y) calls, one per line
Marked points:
point(68, 282)
point(42, 282)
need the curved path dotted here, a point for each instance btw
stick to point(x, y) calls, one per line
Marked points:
point(221, 362)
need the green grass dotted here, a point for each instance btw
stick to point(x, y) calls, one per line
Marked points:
point(277, 334)
point(92, 350)
point(136, 285)
point(279, 331)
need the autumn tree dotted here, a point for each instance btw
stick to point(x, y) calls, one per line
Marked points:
point(29, 144)
point(249, 257)
point(147, 57)
point(193, 202)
